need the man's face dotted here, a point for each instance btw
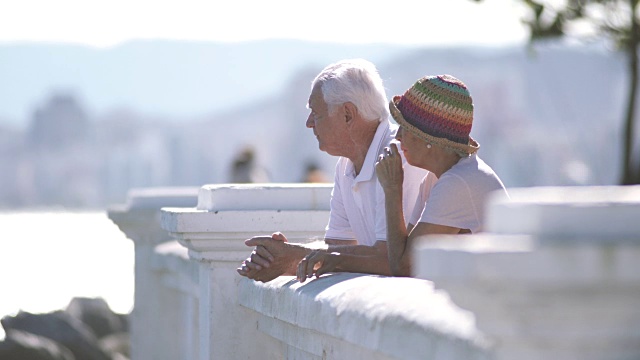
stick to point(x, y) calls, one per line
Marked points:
point(329, 128)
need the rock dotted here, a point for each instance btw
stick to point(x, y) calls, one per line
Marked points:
point(97, 314)
point(20, 345)
point(61, 327)
point(116, 344)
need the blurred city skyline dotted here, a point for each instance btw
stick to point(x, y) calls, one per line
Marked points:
point(97, 98)
point(533, 116)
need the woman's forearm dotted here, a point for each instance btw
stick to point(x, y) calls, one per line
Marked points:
point(399, 261)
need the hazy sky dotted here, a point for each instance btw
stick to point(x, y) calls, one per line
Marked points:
point(106, 23)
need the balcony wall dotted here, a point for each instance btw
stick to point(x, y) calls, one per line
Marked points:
point(165, 278)
point(557, 275)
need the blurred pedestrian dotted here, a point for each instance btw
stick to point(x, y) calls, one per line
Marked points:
point(245, 169)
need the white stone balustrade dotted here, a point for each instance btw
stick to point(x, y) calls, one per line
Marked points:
point(163, 275)
point(557, 275)
point(336, 317)
point(214, 233)
point(358, 316)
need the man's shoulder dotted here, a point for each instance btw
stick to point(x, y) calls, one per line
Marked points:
point(392, 130)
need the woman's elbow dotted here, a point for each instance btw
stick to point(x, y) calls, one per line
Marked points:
point(400, 269)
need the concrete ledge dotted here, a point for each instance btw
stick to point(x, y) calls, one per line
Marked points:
point(541, 300)
point(568, 213)
point(498, 258)
point(139, 217)
point(155, 198)
point(186, 220)
point(395, 317)
point(228, 214)
point(220, 235)
point(264, 197)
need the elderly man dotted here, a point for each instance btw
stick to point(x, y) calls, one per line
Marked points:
point(349, 117)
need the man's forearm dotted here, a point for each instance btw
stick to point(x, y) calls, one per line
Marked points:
point(377, 263)
point(361, 250)
point(294, 254)
point(349, 247)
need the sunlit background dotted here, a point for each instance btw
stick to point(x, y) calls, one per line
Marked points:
point(105, 24)
point(98, 97)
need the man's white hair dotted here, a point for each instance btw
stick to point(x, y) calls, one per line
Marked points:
point(356, 81)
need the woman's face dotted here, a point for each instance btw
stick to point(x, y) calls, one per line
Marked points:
point(411, 145)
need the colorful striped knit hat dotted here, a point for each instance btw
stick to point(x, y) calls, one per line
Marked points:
point(439, 110)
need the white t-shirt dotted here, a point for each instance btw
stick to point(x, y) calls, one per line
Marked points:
point(357, 202)
point(458, 197)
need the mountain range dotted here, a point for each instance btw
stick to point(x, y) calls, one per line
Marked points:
point(179, 114)
point(163, 79)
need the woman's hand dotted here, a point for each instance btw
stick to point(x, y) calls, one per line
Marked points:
point(389, 168)
point(318, 262)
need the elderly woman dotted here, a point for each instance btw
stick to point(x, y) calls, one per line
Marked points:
point(435, 117)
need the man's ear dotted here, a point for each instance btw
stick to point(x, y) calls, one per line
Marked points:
point(350, 112)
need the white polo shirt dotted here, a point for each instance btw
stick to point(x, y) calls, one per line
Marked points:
point(357, 202)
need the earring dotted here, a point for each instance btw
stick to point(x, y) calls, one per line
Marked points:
point(428, 146)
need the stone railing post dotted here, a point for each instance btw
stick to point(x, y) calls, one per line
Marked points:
point(557, 275)
point(214, 233)
point(152, 330)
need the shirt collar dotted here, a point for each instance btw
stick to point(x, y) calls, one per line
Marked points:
point(375, 148)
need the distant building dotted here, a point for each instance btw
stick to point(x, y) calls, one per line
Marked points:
point(59, 123)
